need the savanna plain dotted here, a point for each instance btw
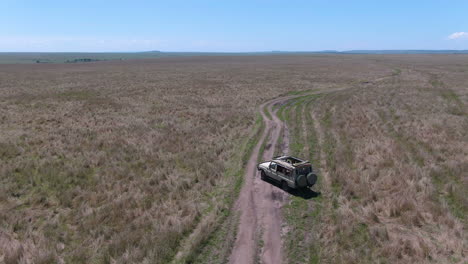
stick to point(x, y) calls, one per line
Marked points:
point(142, 161)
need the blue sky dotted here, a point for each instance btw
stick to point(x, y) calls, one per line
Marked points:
point(243, 25)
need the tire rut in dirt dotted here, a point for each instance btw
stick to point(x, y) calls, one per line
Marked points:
point(260, 202)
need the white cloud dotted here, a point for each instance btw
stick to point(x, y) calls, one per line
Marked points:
point(458, 35)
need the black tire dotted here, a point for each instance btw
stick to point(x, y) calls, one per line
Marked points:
point(311, 179)
point(285, 186)
point(263, 175)
point(301, 181)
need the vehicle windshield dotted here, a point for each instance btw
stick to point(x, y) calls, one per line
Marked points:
point(304, 170)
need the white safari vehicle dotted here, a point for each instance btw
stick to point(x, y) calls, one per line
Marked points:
point(289, 171)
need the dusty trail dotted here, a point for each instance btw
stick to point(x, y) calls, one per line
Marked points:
point(259, 202)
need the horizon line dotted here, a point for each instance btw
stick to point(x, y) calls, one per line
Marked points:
point(264, 51)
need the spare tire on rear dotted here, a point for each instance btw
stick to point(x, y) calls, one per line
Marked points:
point(301, 181)
point(311, 178)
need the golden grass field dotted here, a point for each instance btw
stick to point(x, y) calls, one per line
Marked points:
point(140, 161)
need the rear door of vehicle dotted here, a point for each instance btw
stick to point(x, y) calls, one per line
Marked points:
point(281, 172)
point(284, 173)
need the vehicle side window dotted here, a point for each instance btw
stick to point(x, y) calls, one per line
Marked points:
point(286, 172)
point(281, 169)
point(273, 166)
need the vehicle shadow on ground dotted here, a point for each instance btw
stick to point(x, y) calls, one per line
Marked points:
point(305, 193)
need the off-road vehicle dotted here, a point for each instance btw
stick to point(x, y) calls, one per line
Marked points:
point(290, 172)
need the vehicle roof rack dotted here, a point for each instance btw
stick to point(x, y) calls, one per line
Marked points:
point(283, 160)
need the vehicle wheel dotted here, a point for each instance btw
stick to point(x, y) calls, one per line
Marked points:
point(262, 175)
point(301, 181)
point(311, 178)
point(285, 186)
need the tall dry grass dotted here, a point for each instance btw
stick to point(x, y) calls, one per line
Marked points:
point(125, 162)
point(395, 152)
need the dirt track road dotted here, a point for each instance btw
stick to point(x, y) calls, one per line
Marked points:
point(259, 203)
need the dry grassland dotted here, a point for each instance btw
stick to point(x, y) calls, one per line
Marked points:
point(394, 154)
point(139, 162)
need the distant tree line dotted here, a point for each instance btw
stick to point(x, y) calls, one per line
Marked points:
point(43, 61)
point(81, 60)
